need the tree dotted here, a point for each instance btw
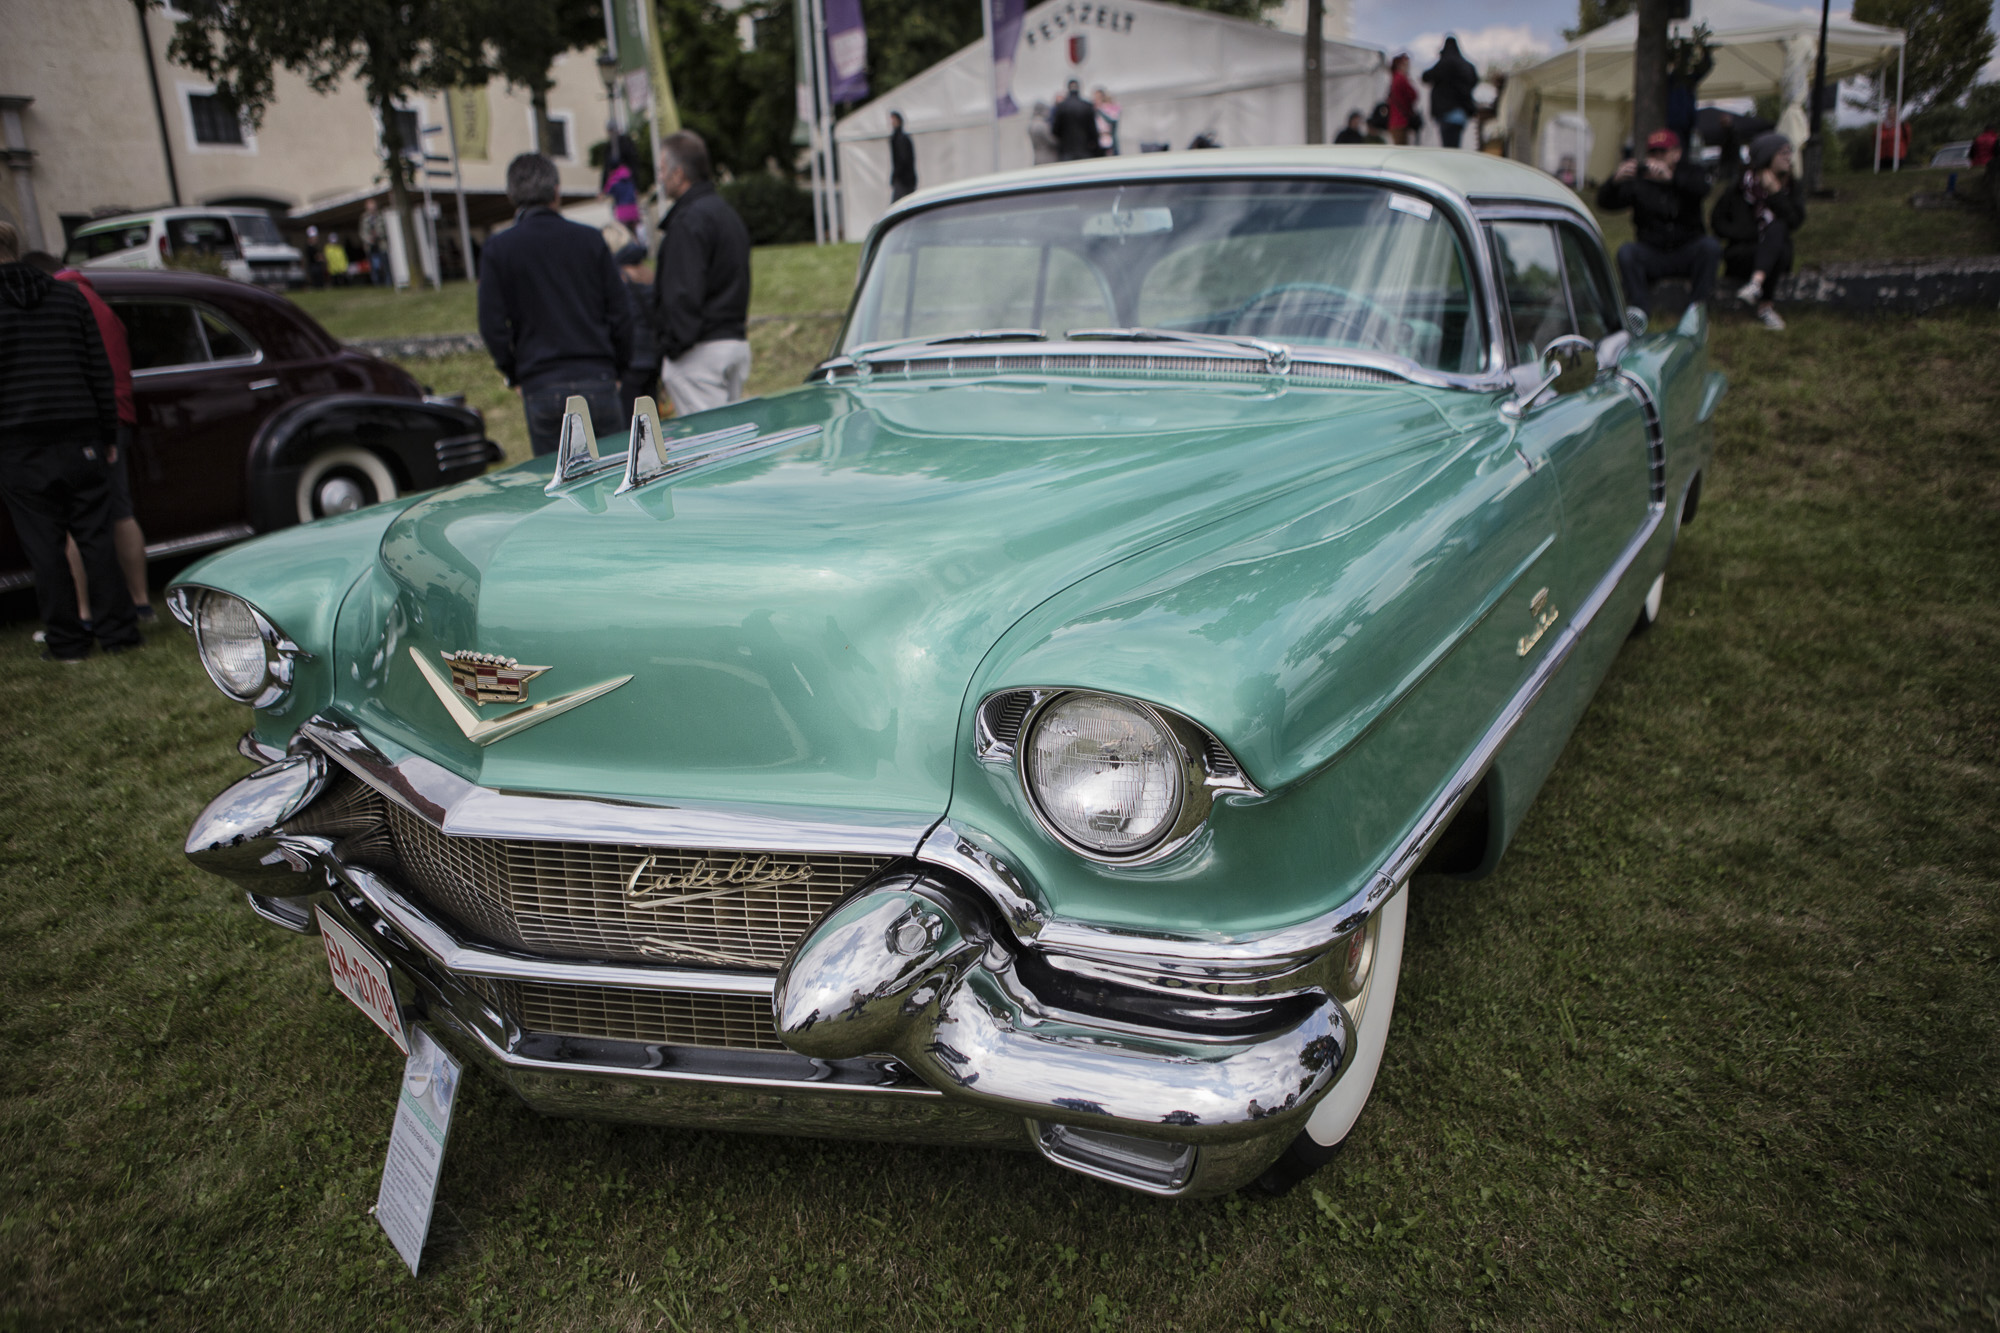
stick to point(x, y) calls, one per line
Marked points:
point(1947, 43)
point(1594, 14)
point(1649, 70)
point(737, 98)
point(524, 37)
point(392, 47)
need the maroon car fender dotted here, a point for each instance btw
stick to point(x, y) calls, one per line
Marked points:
point(424, 445)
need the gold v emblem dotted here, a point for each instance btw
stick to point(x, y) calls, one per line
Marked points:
point(485, 733)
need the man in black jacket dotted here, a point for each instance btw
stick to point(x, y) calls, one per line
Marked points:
point(701, 291)
point(1452, 80)
point(58, 440)
point(1665, 196)
point(552, 309)
point(1075, 124)
point(902, 160)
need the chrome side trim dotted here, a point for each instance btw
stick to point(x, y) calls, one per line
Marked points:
point(199, 541)
point(1656, 435)
point(1203, 959)
point(464, 809)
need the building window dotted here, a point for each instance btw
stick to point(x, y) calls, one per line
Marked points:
point(409, 128)
point(562, 136)
point(215, 120)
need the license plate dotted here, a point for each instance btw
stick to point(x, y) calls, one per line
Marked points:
point(362, 978)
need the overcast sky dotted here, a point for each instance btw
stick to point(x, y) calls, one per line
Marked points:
point(1489, 31)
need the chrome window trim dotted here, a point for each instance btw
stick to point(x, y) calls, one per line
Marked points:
point(1456, 206)
point(459, 808)
point(256, 357)
point(1031, 358)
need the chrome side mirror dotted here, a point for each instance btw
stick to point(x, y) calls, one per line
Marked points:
point(1636, 321)
point(1569, 363)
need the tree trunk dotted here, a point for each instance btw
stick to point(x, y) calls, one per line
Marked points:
point(538, 97)
point(1315, 75)
point(399, 193)
point(1649, 73)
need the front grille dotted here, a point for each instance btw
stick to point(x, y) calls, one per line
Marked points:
point(457, 451)
point(673, 1018)
point(592, 900)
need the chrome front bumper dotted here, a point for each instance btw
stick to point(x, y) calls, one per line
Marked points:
point(911, 1013)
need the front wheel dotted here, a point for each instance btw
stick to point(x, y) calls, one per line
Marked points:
point(339, 481)
point(1326, 1131)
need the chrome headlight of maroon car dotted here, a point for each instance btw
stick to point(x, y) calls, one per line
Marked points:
point(249, 658)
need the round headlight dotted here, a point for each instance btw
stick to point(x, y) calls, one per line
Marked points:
point(238, 648)
point(1105, 773)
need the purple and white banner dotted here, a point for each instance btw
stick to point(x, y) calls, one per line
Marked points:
point(1006, 15)
point(846, 52)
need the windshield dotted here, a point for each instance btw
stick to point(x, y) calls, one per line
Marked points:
point(1314, 264)
point(257, 229)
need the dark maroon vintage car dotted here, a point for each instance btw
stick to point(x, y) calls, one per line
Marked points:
point(253, 417)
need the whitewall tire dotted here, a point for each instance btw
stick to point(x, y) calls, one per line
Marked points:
point(1333, 1119)
point(1649, 610)
point(339, 481)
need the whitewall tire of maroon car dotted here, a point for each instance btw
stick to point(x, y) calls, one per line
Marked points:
point(339, 481)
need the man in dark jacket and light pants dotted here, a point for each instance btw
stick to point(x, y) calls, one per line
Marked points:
point(58, 437)
point(701, 290)
point(1665, 196)
point(552, 309)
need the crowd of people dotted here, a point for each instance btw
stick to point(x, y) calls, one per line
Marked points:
point(564, 315)
point(1748, 232)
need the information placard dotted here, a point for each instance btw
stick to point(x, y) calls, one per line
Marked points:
point(416, 1146)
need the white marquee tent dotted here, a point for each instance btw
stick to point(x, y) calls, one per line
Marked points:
point(1175, 73)
point(1759, 49)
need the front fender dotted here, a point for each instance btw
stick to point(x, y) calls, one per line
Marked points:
point(298, 578)
point(426, 445)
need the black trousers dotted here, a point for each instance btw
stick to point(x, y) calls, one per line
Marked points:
point(1770, 254)
point(1641, 265)
point(543, 404)
point(637, 382)
point(54, 490)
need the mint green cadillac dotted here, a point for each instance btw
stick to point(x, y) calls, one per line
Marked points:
point(1022, 733)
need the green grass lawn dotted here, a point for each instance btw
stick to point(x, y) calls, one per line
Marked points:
point(1718, 1047)
point(784, 280)
point(1869, 217)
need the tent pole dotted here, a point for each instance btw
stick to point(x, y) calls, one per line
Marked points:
point(1880, 110)
point(1582, 122)
point(992, 83)
point(1896, 130)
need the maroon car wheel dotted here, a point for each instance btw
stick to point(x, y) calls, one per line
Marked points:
point(340, 481)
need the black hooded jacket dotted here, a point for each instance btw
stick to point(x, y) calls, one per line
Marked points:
point(701, 289)
point(1452, 80)
point(1665, 214)
point(55, 380)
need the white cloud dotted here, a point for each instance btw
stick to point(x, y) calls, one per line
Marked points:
point(1500, 46)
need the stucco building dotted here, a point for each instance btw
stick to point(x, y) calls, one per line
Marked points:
point(94, 117)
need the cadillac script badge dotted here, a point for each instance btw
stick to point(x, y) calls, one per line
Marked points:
point(487, 679)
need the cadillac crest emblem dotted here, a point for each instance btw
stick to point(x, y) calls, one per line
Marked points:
point(487, 679)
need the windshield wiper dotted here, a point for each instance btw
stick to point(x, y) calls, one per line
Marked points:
point(1276, 355)
point(859, 355)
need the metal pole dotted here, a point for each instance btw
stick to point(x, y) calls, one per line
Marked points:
point(1896, 124)
point(1881, 80)
point(458, 188)
point(1582, 121)
point(1315, 88)
point(159, 107)
point(992, 81)
point(1816, 142)
point(823, 112)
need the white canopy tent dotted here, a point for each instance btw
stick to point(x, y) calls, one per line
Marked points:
point(1759, 49)
point(1175, 73)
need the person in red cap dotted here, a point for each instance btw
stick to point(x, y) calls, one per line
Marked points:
point(1665, 195)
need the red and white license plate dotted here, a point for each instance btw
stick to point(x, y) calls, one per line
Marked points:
point(362, 978)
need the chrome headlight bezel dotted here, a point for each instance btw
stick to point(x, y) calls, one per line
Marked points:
point(185, 602)
point(1004, 725)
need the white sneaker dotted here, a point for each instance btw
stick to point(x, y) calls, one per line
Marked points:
point(1749, 292)
point(1771, 320)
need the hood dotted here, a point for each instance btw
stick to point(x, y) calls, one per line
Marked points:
point(23, 285)
point(801, 625)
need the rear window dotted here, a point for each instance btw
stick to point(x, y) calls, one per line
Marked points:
point(206, 235)
point(88, 245)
